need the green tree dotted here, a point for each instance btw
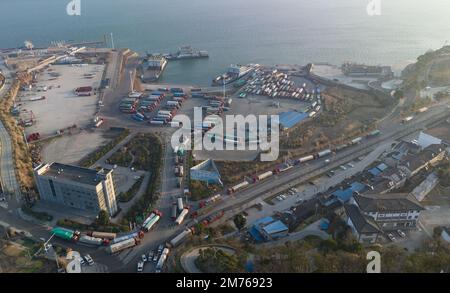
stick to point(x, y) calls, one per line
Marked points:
point(240, 221)
point(103, 218)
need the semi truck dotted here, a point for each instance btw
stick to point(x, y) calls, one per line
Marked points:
point(137, 235)
point(151, 221)
point(262, 176)
point(180, 204)
point(116, 247)
point(174, 212)
point(93, 240)
point(238, 187)
point(103, 235)
point(66, 234)
point(181, 216)
point(177, 240)
point(162, 259)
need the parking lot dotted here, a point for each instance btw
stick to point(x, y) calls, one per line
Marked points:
point(61, 107)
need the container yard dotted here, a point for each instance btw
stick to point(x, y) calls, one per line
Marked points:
point(55, 103)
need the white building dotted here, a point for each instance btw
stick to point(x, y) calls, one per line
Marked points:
point(77, 187)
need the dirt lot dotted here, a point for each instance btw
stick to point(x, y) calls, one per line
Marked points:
point(70, 149)
point(61, 108)
point(440, 74)
point(346, 114)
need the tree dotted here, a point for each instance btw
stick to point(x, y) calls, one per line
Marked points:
point(103, 218)
point(240, 221)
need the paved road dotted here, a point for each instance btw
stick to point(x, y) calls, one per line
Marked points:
point(102, 160)
point(325, 184)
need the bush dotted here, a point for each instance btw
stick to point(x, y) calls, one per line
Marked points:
point(154, 158)
point(127, 196)
point(42, 216)
point(111, 227)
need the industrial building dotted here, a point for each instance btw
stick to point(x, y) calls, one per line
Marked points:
point(267, 229)
point(207, 172)
point(77, 187)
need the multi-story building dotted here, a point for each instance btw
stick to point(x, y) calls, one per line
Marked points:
point(390, 211)
point(77, 187)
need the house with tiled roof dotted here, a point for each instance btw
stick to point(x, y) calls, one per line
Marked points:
point(390, 211)
point(363, 227)
point(429, 156)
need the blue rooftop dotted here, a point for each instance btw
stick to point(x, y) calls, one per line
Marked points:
point(275, 227)
point(357, 186)
point(256, 235)
point(382, 167)
point(375, 171)
point(291, 118)
point(343, 195)
point(263, 221)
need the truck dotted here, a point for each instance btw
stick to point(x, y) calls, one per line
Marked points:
point(116, 247)
point(356, 140)
point(66, 234)
point(103, 235)
point(92, 240)
point(162, 259)
point(180, 171)
point(179, 182)
point(157, 122)
point(262, 176)
point(180, 204)
point(137, 235)
point(174, 212)
point(238, 187)
point(306, 159)
point(210, 200)
point(324, 153)
point(177, 240)
point(422, 110)
point(137, 118)
point(182, 216)
point(151, 221)
point(407, 119)
point(162, 112)
point(211, 219)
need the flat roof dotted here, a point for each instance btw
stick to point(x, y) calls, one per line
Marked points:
point(74, 173)
point(291, 118)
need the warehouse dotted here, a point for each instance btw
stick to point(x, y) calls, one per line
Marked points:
point(267, 229)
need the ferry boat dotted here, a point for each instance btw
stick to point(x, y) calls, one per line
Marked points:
point(234, 73)
point(152, 67)
point(186, 52)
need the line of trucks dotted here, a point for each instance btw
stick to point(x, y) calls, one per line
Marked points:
point(288, 165)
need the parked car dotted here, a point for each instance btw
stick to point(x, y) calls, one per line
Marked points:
point(391, 237)
point(150, 255)
point(401, 233)
point(155, 257)
point(160, 248)
point(140, 266)
point(144, 258)
point(89, 259)
point(351, 165)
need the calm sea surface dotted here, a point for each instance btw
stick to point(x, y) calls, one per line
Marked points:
point(238, 31)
